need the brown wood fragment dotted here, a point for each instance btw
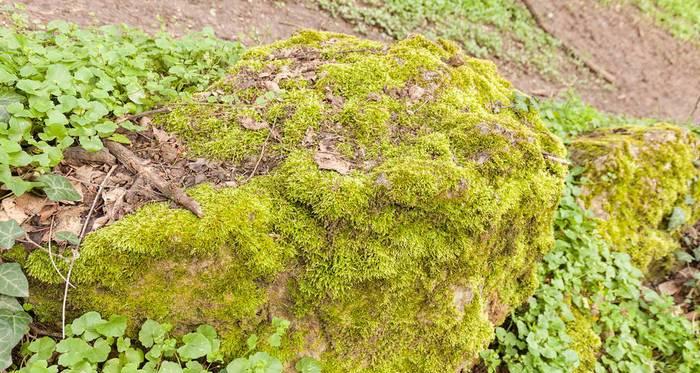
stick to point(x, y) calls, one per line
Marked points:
point(137, 166)
point(77, 154)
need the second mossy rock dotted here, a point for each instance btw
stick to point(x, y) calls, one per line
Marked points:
point(401, 201)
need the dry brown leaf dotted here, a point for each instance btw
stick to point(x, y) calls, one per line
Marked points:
point(161, 136)
point(30, 203)
point(10, 211)
point(669, 287)
point(251, 124)
point(415, 92)
point(332, 161)
point(68, 219)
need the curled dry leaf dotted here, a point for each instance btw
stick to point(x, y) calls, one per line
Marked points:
point(252, 124)
point(669, 287)
point(332, 161)
point(68, 218)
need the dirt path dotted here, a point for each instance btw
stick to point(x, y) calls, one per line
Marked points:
point(654, 75)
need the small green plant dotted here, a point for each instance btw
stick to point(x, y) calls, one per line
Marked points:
point(592, 311)
point(93, 344)
point(500, 28)
point(66, 86)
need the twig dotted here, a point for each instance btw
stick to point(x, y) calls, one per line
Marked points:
point(94, 203)
point(135, 164)
point(554, 158)
point(39, 331)
point(76, 153)
point(53, 263)
point(262, 153)
point(570, 49)
point(143, 114)
point(695, 108)
point(65, 293)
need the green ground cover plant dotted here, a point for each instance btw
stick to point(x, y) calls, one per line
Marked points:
point(680, 17)
point(496, 28)
point(93, 344)
point(64, 85)
point(592, 311)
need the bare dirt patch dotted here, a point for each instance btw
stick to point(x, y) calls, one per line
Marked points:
point(654, 74)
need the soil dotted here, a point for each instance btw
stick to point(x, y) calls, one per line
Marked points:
point(654, 75)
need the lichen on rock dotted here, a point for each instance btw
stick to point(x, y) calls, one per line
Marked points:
point(642, 183)
point(399, 208)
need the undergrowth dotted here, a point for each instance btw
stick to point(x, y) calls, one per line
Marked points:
point(93, 344)
point(63, 85)
point(500, 28)
point(592, 311)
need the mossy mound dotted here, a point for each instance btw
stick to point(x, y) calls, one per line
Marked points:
point(401, 206)
point(642, 182)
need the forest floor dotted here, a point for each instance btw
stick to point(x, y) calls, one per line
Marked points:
point(614, 57)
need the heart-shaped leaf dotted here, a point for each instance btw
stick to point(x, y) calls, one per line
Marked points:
point(58, 188)
point(12, 280)
point(9, 232)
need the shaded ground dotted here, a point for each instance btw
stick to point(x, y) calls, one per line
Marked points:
point(654, 74)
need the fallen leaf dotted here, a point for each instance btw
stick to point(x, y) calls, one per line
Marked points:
point(332, 162)
point(251, 124)
point(415, 92)
point(11, 212)
point(669, 287)
point(68, 219)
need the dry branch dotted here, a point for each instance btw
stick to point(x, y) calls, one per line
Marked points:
point(137, 166)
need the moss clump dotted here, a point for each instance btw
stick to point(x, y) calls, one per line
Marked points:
point(642, 182)
point(403, 209)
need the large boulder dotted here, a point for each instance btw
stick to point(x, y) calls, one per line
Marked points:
point(401, 201)
point(642, 183)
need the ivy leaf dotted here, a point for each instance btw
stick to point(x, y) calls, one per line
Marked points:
point(9, 232)
point(196, 345)
point(67, 236)
point(13, 326)
point(12, 280)
point(9, 303)
point(308, 365)
point(58, 188)
point(677, 219)
point(7, 97)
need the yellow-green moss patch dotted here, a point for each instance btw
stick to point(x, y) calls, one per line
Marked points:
point(401, 207)
point(642, 182)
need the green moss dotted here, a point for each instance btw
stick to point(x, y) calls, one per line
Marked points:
point(585, 342)
point(402, 261)
point(637, 177)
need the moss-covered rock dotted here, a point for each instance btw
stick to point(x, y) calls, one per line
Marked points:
point(399, 210)
point(642, 183)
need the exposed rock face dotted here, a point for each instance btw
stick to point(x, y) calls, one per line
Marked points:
point(399, 207)
point(642, 182)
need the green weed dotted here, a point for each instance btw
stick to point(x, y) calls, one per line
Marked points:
point(680, 17)
point(497, 28)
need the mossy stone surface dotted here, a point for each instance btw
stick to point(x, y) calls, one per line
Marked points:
point(642, 183)
point(400, 209)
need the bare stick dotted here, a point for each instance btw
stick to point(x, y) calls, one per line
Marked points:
point(695, 108)
point(556, 159)
point(65, 293)
point(53, 263)
point(570, 49)
point(38, 331)
point(79, 154)
point(94, 203)
point(143, 114)
point(262, 153)
point(136, 165)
